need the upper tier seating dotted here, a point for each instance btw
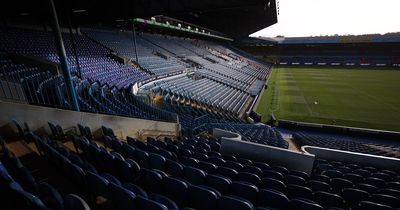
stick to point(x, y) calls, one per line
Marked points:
point(93, 60)
point(122, 42)
point(45, 88)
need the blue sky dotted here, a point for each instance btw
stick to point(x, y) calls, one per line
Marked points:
point(329, 17)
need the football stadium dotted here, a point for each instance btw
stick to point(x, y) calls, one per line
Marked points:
point(177, 105)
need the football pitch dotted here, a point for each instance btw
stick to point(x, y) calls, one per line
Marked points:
point(348, 97)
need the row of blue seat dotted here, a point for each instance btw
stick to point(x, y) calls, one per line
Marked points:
point(22, 191)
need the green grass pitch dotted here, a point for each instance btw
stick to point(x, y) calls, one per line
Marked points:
point(348, 97)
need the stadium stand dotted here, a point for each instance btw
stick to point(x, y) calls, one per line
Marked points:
point(346, 144)
point(93, 59)
point(168, 174)
point(101, 157)
point(123, 43)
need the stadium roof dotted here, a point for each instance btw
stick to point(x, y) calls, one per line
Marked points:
point(235, 18)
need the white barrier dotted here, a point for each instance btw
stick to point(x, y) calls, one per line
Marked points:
point(231, 144)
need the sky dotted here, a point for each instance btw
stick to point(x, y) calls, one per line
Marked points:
point(329, 17)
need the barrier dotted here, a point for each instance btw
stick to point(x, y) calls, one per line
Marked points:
point(231, 144)
point(37, 117)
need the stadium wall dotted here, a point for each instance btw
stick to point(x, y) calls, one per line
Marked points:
point(37, 116)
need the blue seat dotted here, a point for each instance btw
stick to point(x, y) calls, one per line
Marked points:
point(375, 182)
point(156, 161)
point(184, 152)
point(297, 191)
point(333, 173)
point(189, 161)
point(17, 198)
point(293, 179)
point(173, 168)
point(202, 198)
point(213, 154)
point(229, 158)
point(235, 165)
point(194, 175)
point(319, 186)
point(151, 180)
point(328, 200)
point(323, 167)
point(252, 169)
point(362, 172)
point(382, 176)
point(244, 161)
point(353, 196)
point(272, 198)
point(355, 178)
point(231, 202)
point(77, 174)
point(128, 151)
point(367, 205)
point(321, 178)
point(97, 185)
point(248, 177)
point(227, 172)
point(275, 184)
point(393, 185)
point(303, 204)
point(151, 148)
point(220, 183)
point(200, 156)
point(173, 148)
point(50, 196)
point(167, 154)
point(301, 174)
point(272, 174)
point(116, 145)
point(244, 190)
point(367, 188)
point(344, 169)
point(215, 146)
point(138, 191)
point(216, 161)
point(122, 169)
point(111, 179)
point(262, 166)
point(24, 177)
point(121, 198)
point(392, 192)
point(207, 167)
point(134, 168)
point(144, 203)
point(171, 205)
point(338, 184)
point(385, 200)
point(176, 190)
point(200, 150)
point(280, 169)
point(142, 158)
point(74, 202)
